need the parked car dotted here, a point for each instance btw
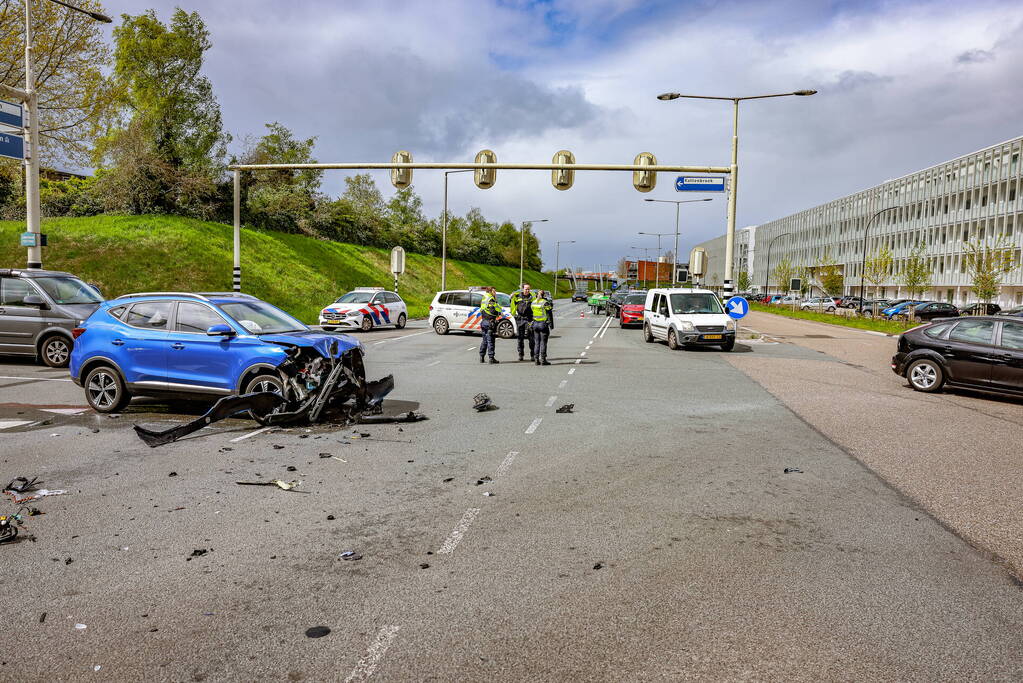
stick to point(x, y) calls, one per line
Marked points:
point(774, 298)
point(935, 309)
point(632, 309)
point(980, 309)
point(363, 309)
point(819, 303)
point(789, 300)
point(850, 302)
point(687, 317)
point(459, 310)
point(870, 307)
point(1014, 311)
point(39, 309)
point(981, 352)
point(614, 302)
point(196, 346)
point(902, 308)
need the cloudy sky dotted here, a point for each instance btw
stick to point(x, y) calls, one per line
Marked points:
point(903, 85)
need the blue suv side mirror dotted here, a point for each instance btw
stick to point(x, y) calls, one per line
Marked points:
point(221, 330)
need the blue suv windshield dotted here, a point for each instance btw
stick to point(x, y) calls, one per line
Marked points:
point(259, 317)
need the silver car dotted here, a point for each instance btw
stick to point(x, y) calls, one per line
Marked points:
point(39, 309)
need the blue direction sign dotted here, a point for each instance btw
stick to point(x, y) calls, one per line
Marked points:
point(736, 307)
point(689, 183)
point(11, 114)
point(12, 146)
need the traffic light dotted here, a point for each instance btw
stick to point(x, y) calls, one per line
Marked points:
point(401, 177)
point(485, 177)
point(561, 178)
point(644, 181)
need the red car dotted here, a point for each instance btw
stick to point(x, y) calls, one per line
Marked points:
point(632, 309)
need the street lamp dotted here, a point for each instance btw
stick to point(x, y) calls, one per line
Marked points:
point(674, 256)
point(557, 264)
point(767, 277)
point(730, 233)
point(444, 233)
point(863, 262)
point(646, 257)
point(657, 264)
point(31, 96)
point(522, 245)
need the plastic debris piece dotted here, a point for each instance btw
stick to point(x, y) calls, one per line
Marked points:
point(483, 480)
point(599, 565)
point(567, 408)
point(330, 518)
point(173, 474)
point(42, 618)
point(793, 470)
point(278, 447)
point(350, 556)
point(482, 402)
point(487, 493)
point(317, 631)
point(424, 565)
point(326, 455)
point(81, 627)
point(448, 479)
point(22, 484)
point(279, 483)
point(35, 495)
point(292, 468)
point(198, 552)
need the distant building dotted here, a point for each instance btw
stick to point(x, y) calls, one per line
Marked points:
point(941, 208)
point(648, 271)
point(714, 268)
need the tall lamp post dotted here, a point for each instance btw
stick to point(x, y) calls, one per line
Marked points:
point(444, 232)
point(767, 277)
point(522, 245)
point(863, 262)
point(674, 254)
point(657, 265)
point(557, 264)
point(30, 96)
point(730, 233)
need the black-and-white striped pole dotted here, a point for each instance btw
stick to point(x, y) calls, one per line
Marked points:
point(237, 232)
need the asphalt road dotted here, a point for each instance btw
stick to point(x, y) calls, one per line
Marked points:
point(650, 534)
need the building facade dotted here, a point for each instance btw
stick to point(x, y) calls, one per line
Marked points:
point(714, 259)
point(934, 212)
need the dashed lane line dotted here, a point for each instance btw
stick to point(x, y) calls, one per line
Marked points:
point(433, 363)
point(250, 434)
point(11, 424)
point(563, 383)
point(578, 361)
point(506, 463)
point(550, 401)
point(572, 371)
point(455, 537)
point(533, 425)
point(376, 651)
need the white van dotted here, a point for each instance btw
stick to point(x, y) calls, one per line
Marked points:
point(459, 310)
point(687, 317)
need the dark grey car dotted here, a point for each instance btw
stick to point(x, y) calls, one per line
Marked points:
point(38, 311)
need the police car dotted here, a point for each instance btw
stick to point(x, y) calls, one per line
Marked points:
point(365, 308)
point(459, 310)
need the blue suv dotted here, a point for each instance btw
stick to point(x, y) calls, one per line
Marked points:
point(199, 346)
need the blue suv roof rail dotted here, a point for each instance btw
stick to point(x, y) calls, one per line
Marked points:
point(188, 294)
point(227, 295)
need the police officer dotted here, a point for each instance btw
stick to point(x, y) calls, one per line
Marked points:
point(543, 323)
point(490, 308)
point(521, 307)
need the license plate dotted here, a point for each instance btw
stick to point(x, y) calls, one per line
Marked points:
point(713, 336)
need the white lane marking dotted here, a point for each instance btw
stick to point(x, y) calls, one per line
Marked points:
point(583, 354)
point(563, 383)
point(406, 336)
point(606, 328)
point(368, 664)
point(578, 361)
point(64, 411)
point(533, 425)
point(572, 371)
point(471, 348)
point(455, 537)
point(506, 463)
point(246, 436)
point(382, 341)
point(9, 424)
point(36, 379)
point(433, 363)
point(602, 327)
point(550, 401)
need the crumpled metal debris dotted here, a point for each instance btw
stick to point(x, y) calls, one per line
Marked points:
point(314, 386)
point(567, 408)
point(482, 402)
point(22, 484)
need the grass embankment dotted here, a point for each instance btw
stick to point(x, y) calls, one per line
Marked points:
point(886, 326)
point(124, 254)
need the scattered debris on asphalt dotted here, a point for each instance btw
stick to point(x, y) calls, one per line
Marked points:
point(793, 470)
point(330, 518)
point(9, 526)
point(424, 565)
point(350, 556)
point(326, 455)
point(483, 480)
point(482, 402)
point(487, 493)
point(448, 479)
point(42, 618)
point(198, 552)
point(279, 483)
point(292, 468)
point(317, 631)
point(81, 627)
point(22, 484)
point(173, 474)
point(35, 494)
point(599, 565)
point(321, 382)
point(567, 408)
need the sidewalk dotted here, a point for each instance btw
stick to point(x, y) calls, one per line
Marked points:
point(956, 454)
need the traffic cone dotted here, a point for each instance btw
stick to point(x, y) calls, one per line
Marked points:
point(582, 314)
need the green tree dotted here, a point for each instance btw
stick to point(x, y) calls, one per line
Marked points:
point(987, 263)
point(916, 272)
point(743, 281)
point(76, 98)
point(783, 273)
point(829, 276)
point(280, 199)
point(878, 267)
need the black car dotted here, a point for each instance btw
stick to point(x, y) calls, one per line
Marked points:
point(579, 295)
point(1016, 311)
point(613, 307)
point(980, 309)
point(935, 309)
point(980, 352)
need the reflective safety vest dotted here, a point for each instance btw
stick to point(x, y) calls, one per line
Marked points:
point(517, 298)
point(540, 310)
point(489, 306)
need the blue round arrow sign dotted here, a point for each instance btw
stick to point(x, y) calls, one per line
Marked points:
point(736, 307)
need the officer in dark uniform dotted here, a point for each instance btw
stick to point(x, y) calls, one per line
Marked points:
point(490, 308)
point(543, 323)
point(521, 308)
